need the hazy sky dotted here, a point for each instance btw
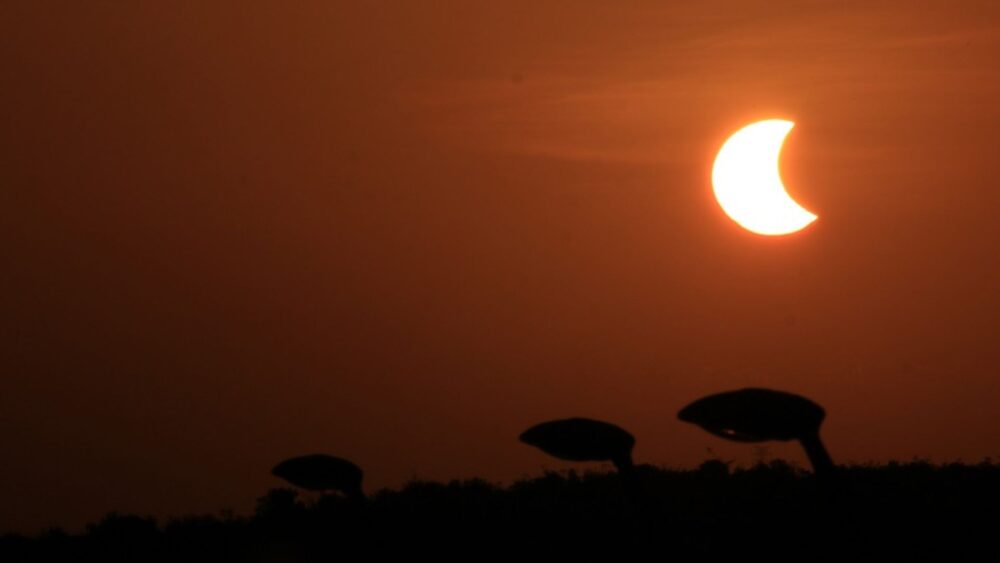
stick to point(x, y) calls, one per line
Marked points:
point(402, 232)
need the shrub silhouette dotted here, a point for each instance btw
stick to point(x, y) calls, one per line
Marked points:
point(278, 504)
point(758, 415)
point(900, 511)
point(714, 468)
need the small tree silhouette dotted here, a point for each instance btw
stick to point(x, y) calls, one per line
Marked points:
point(583, 439)
point(321, 472)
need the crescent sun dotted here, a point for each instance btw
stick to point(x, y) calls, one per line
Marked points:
point(747, 182)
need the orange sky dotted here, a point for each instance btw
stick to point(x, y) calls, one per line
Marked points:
point(403, 233)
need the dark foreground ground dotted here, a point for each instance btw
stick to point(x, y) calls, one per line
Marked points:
point(895, 512)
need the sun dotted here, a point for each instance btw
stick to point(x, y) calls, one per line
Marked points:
point(747, 182)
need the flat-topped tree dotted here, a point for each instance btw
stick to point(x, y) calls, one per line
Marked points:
point(583, 439)
point(758, 415)
point(320, 472)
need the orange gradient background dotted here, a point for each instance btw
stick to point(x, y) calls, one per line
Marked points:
point(402, 234)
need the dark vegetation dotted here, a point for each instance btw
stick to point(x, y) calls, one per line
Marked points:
point(774, 511)
point(761, 415)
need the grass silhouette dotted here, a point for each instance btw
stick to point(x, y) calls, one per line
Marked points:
point(775, 510)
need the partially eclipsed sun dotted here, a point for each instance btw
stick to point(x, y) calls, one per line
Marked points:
point(748, 184)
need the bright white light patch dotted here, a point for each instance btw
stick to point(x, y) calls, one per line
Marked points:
point(748, 185)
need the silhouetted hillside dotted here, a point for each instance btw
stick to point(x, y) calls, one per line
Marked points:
point(889, 512)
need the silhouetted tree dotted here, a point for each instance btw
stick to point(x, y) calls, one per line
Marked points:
point(320, 472)
point(757, 415)
point(583, 439)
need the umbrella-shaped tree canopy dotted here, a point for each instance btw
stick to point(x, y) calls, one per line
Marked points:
point(582, 439)
point(757, 415)
point(321, 472)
